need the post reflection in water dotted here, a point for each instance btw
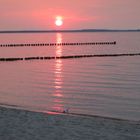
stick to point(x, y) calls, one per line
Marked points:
point(58, 82)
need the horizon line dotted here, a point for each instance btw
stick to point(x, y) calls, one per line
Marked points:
point(69, 30)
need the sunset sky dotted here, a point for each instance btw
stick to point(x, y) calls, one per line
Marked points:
point(76, 14)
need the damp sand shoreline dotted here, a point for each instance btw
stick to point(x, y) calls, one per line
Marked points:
point(16, 124)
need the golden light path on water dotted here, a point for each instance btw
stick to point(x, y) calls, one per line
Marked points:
point(58, 81)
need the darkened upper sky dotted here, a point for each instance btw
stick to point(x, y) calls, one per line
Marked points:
point(76, 14)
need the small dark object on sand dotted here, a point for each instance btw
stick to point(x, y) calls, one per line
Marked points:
point(66, 110)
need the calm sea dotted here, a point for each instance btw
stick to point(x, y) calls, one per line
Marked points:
point(104, 86)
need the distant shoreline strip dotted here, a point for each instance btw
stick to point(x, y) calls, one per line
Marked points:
point(58, 44)
point(69, 31)
point(68, 57)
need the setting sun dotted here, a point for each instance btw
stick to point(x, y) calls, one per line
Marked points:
point(58, 21)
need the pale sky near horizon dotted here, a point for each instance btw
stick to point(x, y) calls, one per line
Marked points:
point(76, 14)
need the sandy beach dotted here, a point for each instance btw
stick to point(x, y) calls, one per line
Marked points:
point(18, 124)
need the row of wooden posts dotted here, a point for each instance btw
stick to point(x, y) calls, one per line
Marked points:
point(67, 57)
point(58, 44)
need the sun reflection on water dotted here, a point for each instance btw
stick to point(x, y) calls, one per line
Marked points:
point(58, 106)
point(59, 47)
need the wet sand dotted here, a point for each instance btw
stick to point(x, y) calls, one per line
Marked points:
point(18, 124)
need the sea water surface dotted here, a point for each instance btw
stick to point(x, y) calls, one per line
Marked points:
point(104, 86)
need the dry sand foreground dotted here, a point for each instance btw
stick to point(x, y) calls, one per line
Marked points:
point(26, 125)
